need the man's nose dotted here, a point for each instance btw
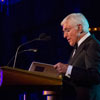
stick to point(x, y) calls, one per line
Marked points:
point(65, 35)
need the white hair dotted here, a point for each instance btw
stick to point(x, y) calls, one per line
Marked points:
point(75, 19)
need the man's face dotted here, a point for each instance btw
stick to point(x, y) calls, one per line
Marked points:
point(71, 33)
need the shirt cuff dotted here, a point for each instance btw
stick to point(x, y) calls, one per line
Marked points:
point(69, 70)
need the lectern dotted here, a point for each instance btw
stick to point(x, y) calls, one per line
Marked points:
point(24, 80)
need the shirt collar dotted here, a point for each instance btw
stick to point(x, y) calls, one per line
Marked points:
point(83, 38)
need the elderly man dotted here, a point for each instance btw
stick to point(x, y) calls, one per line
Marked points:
point(82, 73)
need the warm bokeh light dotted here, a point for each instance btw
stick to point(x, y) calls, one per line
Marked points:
point(94, 29)
point(48, 92)
point(2, 0)
point(89, 29)
point(50, 98)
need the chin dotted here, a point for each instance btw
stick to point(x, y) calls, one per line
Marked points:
point(71, 44)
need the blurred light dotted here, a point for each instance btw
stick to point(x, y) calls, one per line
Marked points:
point(10, 1)
point(4, 5)
point(50, 98)
point(1, 77)
point(48, 92)
point(89, 29)
point(98, 28)
point(14, 1)
point(24, 96)
point(95, 29)
point(2, 0)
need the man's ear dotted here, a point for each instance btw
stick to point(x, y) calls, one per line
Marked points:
point(80, 28)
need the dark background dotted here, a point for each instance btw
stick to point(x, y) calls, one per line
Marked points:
point(25, 20)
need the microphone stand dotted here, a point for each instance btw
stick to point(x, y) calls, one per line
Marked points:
point(27, 50)
point(41, 37)
point(20, 47)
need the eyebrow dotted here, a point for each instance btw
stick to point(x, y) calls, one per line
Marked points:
point(66, 29)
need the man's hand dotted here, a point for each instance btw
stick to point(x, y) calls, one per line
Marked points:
point(61, 68)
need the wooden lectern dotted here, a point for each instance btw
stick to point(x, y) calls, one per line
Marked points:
point(24, 80)
point(19, 77)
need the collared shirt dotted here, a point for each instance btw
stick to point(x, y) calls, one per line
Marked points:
point(69, 69)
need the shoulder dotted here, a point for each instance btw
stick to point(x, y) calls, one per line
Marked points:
point(91, 43)
point(93, 40)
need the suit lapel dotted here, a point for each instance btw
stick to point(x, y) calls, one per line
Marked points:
point(79, 49)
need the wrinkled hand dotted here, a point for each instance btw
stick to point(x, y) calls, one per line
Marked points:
point(61, 68)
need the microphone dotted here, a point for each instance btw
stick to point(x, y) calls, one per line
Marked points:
point(33, 50)
point(27, 50)
point(42, 36)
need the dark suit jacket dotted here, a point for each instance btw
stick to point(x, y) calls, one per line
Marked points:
point(85, 76)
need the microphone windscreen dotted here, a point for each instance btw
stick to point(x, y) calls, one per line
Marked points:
point(42, 35)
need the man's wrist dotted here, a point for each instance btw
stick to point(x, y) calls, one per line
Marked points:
point(69, 70)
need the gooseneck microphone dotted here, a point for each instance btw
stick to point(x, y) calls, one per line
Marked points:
point(27, 50)
point(42, 36)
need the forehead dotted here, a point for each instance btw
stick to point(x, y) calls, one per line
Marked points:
point(66, 25)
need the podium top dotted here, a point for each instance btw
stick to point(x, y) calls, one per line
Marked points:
point(15, 77)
